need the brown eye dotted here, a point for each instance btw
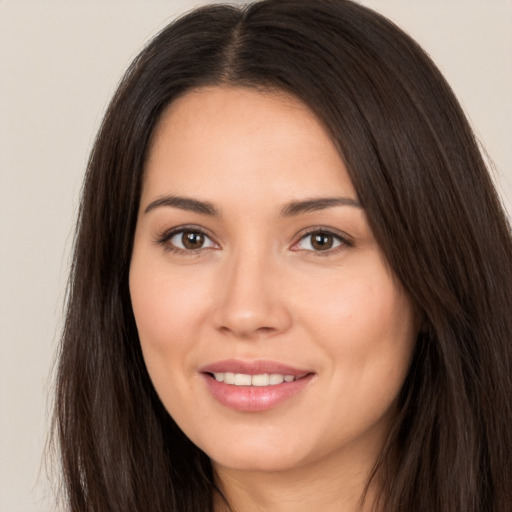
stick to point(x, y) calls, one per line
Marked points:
point(190, 240)
point(322, 241)
point(318, 241)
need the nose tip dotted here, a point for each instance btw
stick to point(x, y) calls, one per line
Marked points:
point(252, 304)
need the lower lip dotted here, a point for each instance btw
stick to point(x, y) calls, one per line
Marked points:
point(255, 398)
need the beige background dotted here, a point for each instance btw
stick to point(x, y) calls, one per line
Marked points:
point(59, 65)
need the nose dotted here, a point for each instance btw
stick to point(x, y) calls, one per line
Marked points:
point(251, 301)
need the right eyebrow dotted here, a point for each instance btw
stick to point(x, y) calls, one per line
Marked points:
point(184, 203)
point(314, 204)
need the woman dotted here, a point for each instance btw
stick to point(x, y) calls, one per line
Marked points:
point(292, 279)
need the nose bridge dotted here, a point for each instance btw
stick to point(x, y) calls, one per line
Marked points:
point(251, 303)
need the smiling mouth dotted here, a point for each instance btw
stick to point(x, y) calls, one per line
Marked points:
point(254, 386)
point(259, 380)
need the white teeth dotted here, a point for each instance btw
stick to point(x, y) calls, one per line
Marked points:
point(243, 379)
point(276, 378)
point(229, 378)
point(260, 380)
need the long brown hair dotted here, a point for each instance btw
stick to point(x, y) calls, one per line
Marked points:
point(420, 176)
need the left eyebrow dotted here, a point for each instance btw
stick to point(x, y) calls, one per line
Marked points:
point(184, 203)
point(312, 205)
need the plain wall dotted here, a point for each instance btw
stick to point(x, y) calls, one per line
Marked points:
point(59, 64)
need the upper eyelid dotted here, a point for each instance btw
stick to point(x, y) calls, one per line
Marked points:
point(344, 237)
point(169, 233)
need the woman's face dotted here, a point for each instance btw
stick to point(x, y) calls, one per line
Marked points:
point(272, 329)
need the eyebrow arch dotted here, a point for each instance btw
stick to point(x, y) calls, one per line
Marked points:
point(312, 205)
point(184, 203)
point(289, 210)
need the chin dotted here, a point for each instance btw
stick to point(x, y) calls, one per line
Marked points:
point(264, 456)
point(261, 462)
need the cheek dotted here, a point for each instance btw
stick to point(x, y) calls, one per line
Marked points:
point(366, 323)
point(169, 310)
point(349, 305)
point(367, 332)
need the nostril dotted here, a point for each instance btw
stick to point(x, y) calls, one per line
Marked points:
point(245, 332)
point(265, 330)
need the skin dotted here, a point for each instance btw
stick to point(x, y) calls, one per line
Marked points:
point(259, 290)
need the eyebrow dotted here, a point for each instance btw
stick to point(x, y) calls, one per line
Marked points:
point(312, 205)
point(184, 203)
point(289, 210)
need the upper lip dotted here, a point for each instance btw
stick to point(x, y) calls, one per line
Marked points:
point(256, 367)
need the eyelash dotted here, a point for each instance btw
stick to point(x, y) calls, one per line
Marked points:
point(164, 240)
point(166, 237)
point(342, 239)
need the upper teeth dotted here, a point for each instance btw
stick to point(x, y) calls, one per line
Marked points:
point(242, 379)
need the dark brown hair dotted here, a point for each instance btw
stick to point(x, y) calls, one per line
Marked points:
point(420, 176)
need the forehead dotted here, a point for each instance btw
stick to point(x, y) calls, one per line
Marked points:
point(244, 141)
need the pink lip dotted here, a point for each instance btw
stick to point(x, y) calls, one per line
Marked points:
point(254, 398)
point(252, 367)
